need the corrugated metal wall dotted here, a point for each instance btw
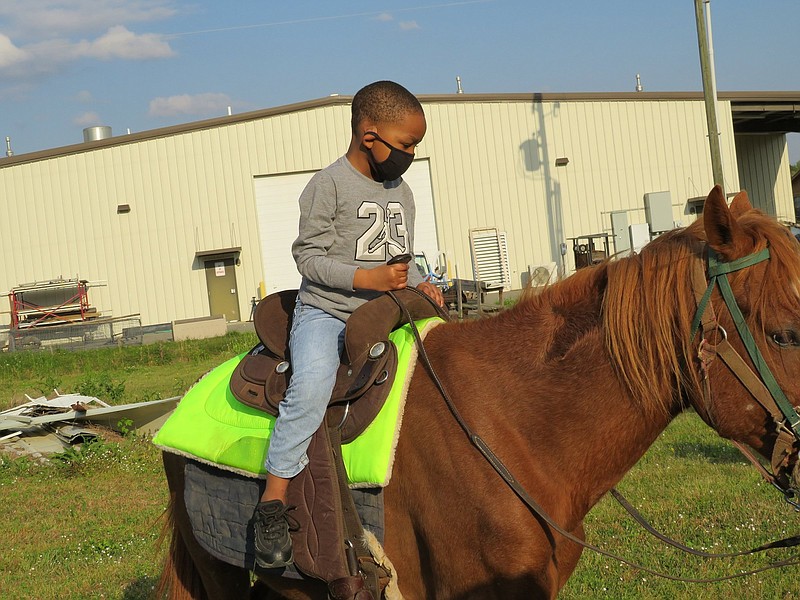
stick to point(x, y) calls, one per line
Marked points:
point(188, 192)
point(493, 164)
point(764, 171)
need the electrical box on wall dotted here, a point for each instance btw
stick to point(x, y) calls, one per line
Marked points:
point(619, 226)
point(658, 210)
point(639, 236)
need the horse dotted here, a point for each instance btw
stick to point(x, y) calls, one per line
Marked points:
point(568, 387)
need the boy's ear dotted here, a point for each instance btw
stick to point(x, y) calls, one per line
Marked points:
point(366, 139)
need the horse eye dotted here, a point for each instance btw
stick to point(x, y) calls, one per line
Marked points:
point(785, 338)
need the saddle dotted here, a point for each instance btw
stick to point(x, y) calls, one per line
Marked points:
point(368, 360)
point(332, 549)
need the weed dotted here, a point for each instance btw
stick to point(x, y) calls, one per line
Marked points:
point(80, 458)
point(125, 427)
point(102, 386)
point(150, 397)
point(11, 469)
point(49, 383)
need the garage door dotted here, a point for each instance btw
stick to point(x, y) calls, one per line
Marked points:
point(278, 214)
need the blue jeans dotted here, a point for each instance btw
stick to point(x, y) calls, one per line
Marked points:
point(315, 345)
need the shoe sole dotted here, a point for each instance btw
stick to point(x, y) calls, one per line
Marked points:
point(278, 564)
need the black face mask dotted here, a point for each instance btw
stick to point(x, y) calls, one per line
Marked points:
point(395, 164)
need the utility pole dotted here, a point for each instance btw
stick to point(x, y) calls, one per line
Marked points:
point(703, 16)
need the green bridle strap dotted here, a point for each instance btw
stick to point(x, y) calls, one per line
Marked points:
point(718, 274)
point(717, 268)
point(701, 308)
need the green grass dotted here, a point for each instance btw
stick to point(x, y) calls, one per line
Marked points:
point(86, 526)
point(116, 375)
point(696, 488)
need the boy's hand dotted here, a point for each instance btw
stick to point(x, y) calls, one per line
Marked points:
point(382, 279)
point(433, 291)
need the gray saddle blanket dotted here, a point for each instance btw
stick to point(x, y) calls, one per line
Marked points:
point(221, 506)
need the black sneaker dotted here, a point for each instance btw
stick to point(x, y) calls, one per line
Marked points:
point(273, 542)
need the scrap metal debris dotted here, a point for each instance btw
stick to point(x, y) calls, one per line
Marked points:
point(44, 426)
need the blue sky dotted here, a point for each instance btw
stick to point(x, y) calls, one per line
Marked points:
point(143, 64)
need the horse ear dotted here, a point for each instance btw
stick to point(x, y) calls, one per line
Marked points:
point(722, 230)
point(740, 204)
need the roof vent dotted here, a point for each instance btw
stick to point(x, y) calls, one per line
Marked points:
point(93, 134)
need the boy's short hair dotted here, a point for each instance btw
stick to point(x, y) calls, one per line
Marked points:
point(383, 102)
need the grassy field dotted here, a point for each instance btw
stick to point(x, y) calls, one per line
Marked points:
point(85, 526)
point(699, 490)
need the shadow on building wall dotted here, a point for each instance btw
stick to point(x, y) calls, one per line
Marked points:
point(536, 158)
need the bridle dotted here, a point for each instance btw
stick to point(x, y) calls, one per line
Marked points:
point(762, 386)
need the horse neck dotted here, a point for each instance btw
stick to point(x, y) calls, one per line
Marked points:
point(581, 421)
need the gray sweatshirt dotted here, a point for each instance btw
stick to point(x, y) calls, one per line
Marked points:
point(349, 221)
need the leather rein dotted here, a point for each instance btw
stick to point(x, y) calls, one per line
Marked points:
point(716, 275)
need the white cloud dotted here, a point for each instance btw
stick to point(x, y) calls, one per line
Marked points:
point(10, 55)
point(84, 97)
point(39, 19)
point(404, 25)
point(198, 105)
point(118, 42)
point(87, 119)
point(40, 37)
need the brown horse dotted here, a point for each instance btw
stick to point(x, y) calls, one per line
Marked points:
point(569, 388)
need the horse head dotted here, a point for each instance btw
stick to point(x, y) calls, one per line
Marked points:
point(748, 319)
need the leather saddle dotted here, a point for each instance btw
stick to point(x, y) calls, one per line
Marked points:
point(368, 362)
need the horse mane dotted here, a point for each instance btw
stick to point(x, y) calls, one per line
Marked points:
point(647, 313)
point(647, 305)
point(780, 288)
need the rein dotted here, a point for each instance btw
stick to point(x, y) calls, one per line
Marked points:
point(763, 387)
point(508, 477)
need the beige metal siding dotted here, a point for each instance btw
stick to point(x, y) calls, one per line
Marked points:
point(493, 164)
point(764, 172)
point(492, 159)
point(188, 192)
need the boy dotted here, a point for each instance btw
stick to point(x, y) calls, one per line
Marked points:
point(355, 215)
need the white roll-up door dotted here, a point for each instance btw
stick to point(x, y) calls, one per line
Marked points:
point(278, 215)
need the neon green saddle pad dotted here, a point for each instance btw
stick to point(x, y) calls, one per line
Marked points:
point(212, 426)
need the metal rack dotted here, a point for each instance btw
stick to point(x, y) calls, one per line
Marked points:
point(43, 303)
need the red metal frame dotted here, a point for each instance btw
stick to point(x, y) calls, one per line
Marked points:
point(65, 312)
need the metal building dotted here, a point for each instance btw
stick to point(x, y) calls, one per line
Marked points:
point(197, 219)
